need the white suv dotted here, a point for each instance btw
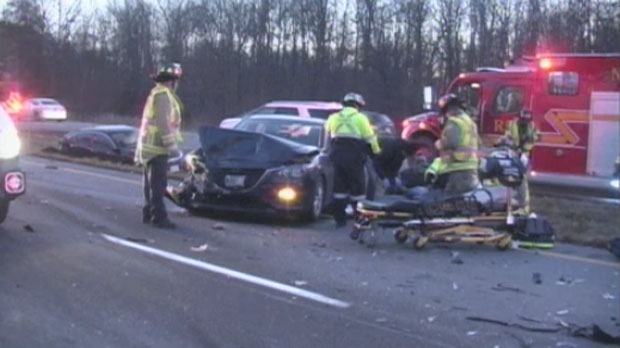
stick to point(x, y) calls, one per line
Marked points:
point(301, 108)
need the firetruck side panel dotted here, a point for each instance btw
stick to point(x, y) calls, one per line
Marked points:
point(561, 107)
point(604, 145)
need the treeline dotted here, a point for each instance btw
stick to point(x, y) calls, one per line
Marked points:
point(237, 54)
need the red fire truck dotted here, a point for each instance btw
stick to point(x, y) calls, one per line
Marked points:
point(574, 99)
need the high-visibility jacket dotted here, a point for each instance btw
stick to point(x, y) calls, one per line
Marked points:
point(459, 143)
point(350, 123)
point(523, 136)
point(433, 171)
point(159, 132)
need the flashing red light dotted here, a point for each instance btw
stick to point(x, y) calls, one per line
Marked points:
point(14, 103)
point(545, 63)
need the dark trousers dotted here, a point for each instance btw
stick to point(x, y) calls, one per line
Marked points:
point(348, 157)
point(154, 182)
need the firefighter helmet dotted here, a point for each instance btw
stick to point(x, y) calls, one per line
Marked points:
point(168, 72)
point(354, 98)
point(448, 100)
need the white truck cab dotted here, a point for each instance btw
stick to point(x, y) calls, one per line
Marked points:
point(12, 178)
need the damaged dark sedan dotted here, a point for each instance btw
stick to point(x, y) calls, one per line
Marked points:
point(266, 165)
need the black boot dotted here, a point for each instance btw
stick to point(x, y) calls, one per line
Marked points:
point(146, 215)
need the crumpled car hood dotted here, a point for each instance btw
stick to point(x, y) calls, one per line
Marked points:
point(225, 148)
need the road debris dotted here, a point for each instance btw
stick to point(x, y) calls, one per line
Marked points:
point(536, 278)
point(521, 326)
point(456, 258)
point(140, 240)
point(609, 296)
point(501, 287)
point(28, 228)
point(300, 282)
point(203, 247)
point(594, 332)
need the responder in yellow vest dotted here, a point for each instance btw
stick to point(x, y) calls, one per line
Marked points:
point(159, 137)
point(435, 175)
point(458, 146)
point(521, 135)
point(350, 139)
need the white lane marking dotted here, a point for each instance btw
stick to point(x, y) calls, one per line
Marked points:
point(313, 296)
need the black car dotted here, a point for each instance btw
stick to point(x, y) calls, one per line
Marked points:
point(382, 124)
point(115, 143)
point(267, 164)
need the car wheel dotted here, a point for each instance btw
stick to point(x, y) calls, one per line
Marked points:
point(4, 209)
point(315, 207)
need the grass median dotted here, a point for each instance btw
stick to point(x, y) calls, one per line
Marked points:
point(575, 221)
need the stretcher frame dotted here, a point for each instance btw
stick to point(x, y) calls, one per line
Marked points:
point(494, 228)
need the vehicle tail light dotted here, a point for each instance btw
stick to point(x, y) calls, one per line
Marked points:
point(422, 125)
point(14, 183)
point(406, 123)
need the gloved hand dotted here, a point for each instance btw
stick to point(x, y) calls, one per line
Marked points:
point(525, 160)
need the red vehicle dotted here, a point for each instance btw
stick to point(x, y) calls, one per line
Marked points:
point(574, 99)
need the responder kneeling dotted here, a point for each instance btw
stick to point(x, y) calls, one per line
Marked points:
point(458, 148)
point(348, 136)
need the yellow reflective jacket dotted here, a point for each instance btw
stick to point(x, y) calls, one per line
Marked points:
point(350, 123)
point(160, 129)
point(459, 143)
point(522, 141)
point(433, 171)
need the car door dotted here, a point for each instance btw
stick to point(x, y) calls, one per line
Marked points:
point(102, 146)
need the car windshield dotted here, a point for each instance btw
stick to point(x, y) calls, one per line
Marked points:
point(307, 133)
point(124, 138)
point(47, 102)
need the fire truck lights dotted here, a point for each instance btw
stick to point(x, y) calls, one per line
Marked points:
point(14, 104)
point(546, 63)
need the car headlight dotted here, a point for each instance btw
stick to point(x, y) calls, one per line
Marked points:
point(10, 145)
point(293, 171)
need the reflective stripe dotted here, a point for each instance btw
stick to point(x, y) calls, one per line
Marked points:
point(358, 198)
point(346, 122)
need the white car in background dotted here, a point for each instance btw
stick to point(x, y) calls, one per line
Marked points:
point(301, 108)
point(43, 109)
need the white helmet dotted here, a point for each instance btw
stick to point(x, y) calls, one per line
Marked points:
point(354, 98)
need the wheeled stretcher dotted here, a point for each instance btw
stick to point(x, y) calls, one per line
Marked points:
point(483, 216)
point(477, 216)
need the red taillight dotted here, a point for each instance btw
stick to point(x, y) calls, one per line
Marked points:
point(422, 125)
point(406, 123)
